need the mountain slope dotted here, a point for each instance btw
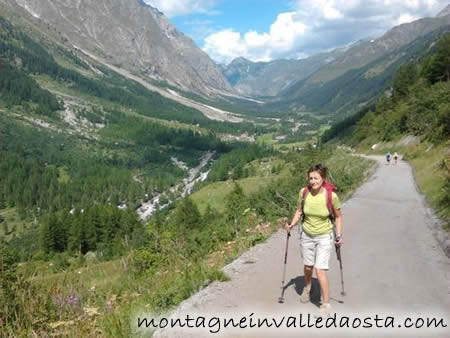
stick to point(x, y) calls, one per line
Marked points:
point(270, 78)
point(365, 52)
point(132, 35)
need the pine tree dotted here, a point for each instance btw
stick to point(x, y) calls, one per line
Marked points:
point(187, 216)
point(436, 67)
point(235, 203)
point(210, 215)
point(442, 59)
point(47, 240)
point(403, 78)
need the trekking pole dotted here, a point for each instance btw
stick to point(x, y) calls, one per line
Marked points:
point(339, 258)
point(281, 299)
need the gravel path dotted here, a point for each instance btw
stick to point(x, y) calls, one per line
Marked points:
point(393, 267)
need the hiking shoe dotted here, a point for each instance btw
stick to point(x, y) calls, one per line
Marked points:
point(325, 310)
point(305, 296)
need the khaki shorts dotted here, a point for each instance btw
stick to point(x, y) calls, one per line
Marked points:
point(316, 250)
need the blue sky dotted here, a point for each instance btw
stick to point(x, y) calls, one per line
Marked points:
point(264, 30)
point(237, 14)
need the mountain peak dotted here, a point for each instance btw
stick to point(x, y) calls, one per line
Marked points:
point(142, 2)
point(444, 12)
point(146, 5)
point(240, 60)
point(133, 35)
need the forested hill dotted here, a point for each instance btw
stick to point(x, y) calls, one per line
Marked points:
point(416, 106)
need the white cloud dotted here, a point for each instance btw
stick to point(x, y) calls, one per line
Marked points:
point(225, 45)
point(405, 18)
point(173, 8)
point(282, 37)
point(326, 9)
point(255, 40)
point(412, 4)
point(318, 25)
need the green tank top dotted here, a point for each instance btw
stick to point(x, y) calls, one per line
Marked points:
point(316, 220)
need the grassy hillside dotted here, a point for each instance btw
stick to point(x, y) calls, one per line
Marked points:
point(260, 173)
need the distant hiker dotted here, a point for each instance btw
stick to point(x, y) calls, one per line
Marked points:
point(388, 157)
point(318, 206)
point(395, 157)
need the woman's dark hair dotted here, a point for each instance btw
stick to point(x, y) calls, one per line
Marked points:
point(322, 170)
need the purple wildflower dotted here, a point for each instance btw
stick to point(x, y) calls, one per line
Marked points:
point(72, 300)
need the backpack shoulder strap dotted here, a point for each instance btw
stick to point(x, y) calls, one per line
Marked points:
point(329, 191)
point(304, 194)
point(330, 203)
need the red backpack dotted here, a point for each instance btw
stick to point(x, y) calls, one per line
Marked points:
point(329, 188)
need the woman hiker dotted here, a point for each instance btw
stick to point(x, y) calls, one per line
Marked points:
point(316, 237)
point(395, 157)
point(388, 157)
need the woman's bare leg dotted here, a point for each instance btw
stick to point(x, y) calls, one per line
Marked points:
point(322, 276)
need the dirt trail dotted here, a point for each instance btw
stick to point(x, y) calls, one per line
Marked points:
point(393, 266)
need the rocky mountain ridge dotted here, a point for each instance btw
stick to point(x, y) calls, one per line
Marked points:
point(134, 36)
point(444, 12)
